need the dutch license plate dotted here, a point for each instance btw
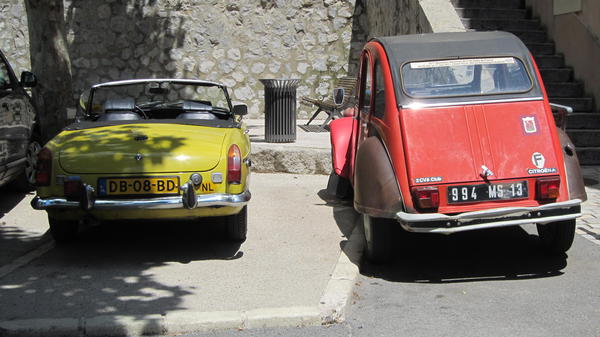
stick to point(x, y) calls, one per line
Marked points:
point(488, 192)
point(138, 186)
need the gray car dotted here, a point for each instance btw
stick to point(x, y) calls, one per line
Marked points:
point(19, 134)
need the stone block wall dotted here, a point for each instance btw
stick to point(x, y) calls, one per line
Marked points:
point(233, 42)
point(14, 35)
point(236, 42)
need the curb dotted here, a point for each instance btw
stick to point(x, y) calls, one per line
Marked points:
point(279, 159)
point(332, 308)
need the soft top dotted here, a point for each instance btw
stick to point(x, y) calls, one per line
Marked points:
point(438, 46)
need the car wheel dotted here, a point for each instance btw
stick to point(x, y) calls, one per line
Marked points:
point(339, 187)
point(557, 237)
point(237, 225)
point(378, 238)
point(26, 181)
point(63, 231)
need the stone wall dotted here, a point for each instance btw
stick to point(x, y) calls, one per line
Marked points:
point(233, 42)
point(14, 35)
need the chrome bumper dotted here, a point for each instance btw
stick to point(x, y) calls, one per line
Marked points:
point(500, 217)
point(204, 200)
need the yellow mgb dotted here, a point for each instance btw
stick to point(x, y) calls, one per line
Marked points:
point(148, 149)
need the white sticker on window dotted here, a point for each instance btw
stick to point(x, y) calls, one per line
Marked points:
point(462, 62)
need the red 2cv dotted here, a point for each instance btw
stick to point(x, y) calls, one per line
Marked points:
point(453, 132)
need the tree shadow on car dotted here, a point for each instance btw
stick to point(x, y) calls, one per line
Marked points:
point(509, 253)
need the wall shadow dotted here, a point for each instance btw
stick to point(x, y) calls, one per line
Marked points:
point(360, 32)
point(122, 39)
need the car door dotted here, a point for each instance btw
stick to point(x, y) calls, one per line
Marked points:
point(16, 120)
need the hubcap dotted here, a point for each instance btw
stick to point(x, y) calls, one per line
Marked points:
point(31, 161)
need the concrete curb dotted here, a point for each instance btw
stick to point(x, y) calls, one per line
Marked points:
point(332, 308)
point(298, 160)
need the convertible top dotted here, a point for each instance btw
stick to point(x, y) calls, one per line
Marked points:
point(440, 46)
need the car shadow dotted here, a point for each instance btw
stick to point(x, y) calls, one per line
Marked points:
point(509, 253)
point(494, 254)
point(147, 242)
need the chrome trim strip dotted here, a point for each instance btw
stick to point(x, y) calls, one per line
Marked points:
point(494, 215)
point(205, 200)
point(435, 105)
point(139, 81)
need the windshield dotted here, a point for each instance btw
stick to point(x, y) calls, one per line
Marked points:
point(160, 100)
point(465, 77)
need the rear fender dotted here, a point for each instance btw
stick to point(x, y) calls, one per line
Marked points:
point(341, 135)
point(574, 176)
point(376, 190)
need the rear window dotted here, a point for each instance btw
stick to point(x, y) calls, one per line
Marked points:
point(465, 77)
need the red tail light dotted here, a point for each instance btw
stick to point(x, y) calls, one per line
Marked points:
point(426, 197)
point(234, 165)
point(73, 189)
point(43, 173)
point(547, 188)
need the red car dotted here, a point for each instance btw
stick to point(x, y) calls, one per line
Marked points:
point(453, 132)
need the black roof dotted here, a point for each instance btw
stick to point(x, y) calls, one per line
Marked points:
point(437, 46)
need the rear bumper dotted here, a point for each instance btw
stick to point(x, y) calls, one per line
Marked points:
point(499, 217)
point(176, 202)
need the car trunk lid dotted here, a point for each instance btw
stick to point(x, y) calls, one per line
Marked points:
point(458, 143)
point(141, 148)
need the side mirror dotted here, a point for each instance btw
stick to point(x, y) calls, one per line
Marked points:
point(28, 79)
point(240, 110)
point(83, 101)
point(338, 96)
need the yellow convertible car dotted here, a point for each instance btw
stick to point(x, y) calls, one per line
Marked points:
point(148, 149)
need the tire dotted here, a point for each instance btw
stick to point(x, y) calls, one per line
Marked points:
point(378, 238)
point(63, 231)
point(557, 237)
point(25, 182)
point(339, 187)
point(237, 225)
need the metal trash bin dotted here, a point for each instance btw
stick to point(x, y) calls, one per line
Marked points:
point(280, 110)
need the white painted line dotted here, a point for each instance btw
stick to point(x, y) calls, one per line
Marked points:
point(25, 259)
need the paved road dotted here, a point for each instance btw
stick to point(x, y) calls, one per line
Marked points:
point(493, 283)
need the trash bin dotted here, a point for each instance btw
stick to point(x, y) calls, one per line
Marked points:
point(280, 110)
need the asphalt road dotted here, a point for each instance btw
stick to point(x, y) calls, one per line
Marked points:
point(492, 283)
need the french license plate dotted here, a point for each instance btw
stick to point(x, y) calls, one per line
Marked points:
point(488, 192)
point(138, 186)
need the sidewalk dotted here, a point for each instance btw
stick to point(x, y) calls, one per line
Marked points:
point(309, 154)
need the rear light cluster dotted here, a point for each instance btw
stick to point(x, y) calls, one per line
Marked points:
point(43, 173)
point(426, 198)
point(73, 188)
point(547, 189)
point(234, 165)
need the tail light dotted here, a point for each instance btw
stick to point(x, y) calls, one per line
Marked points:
point(234, 165)
point(547, 188)
point(73, 188)
point(43, 173)
point(426, 197)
